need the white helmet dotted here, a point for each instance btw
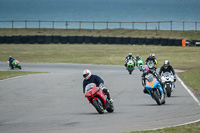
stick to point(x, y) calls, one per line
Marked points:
point(86, 74)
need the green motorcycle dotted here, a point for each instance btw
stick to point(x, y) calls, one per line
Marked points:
point(139, 64)
point(130, 66)
point(15, 64)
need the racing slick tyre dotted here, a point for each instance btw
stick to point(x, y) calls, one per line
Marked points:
point(156, 97)
point(111, 108)
point(168, 90)
point(98, 105)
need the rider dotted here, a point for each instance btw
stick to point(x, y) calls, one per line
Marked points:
point(150, 58)
point(10, 61)
point(137, 58)
point(156, 60)
point(167, 68)
point(146, 72)
point(129, 57)
point(91, 78)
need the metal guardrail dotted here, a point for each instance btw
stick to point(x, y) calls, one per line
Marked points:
point(157, 25)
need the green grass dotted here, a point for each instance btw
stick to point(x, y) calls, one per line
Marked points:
point(189, 35)
point(191, 128)
point(10, 74)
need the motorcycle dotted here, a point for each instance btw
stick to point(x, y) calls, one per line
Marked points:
point(15, 64)
point(139, 64)
point(151, 65)
point(155, 89)
point(130, 66)
point(168, 82)
point(98, 99)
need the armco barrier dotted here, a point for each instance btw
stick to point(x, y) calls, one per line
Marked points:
point(8, 39)
point(16, 39)
point(73, 39)
point(32, 39)
point(41, 39)
point(64, 39)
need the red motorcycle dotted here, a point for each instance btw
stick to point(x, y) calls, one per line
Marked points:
point(98, 98)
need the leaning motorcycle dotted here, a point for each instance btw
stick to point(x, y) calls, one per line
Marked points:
point(155, 89)
point(130, 66)
point(139, 64)
point(168, 82)
point(98, 99)
point(15, 64)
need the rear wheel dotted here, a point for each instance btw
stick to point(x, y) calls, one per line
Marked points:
point(156, 97)
point(98, 106)
point(19, 67)
point(168, 89)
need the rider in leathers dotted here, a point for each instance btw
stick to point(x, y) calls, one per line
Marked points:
point(146, 72)
point(129, 57)
point(90, 78)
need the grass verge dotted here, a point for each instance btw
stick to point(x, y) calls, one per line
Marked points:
point(10, 74)
point(189, 35)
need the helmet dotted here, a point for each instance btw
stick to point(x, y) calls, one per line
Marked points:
point(166, 64)
point(86, 74)
point(145, 68)
point(130, 54)
point(137, 56)
point(153, 55)
point(150, 55)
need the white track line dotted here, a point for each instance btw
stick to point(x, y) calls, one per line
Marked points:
point(188, 90)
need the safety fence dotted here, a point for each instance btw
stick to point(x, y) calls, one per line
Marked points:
point(89, 40)
point(157, 25)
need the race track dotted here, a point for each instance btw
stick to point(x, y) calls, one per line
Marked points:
point(54, 103)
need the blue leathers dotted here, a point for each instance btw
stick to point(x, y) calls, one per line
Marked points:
point(93, 79)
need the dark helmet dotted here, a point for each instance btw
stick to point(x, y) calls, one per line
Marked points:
point(137, 56)
point(166, 64)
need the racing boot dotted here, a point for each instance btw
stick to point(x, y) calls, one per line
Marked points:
point(145, 91)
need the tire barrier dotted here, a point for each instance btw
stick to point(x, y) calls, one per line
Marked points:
point(88, 39)
point(16, 39)
point(73, 39)
point(42, 39)
point(64, 39)
point(32, 39)
point(56, 39)
point(118, 40)
point(8, 39)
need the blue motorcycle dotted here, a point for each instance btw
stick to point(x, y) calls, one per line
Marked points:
point(155, 89)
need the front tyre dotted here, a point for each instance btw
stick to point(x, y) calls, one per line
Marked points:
point(156, 97)
point(111, 108)
point(98, 106)
point(19, 67)
point(168, 89)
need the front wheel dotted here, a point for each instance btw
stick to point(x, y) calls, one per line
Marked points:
point(111, 108)
point(98, 106)
point(156, 97)
point(19, 67)
point(168, 90)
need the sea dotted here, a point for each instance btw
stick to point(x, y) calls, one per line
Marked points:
point(185, 14)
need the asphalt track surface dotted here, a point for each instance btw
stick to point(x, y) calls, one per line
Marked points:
point(54, 103)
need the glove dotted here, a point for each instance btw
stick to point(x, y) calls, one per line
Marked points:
point(101, 86)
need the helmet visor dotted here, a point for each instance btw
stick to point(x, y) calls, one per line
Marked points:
point(85, 75)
